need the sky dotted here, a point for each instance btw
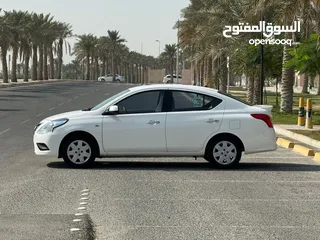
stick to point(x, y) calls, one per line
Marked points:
point(140, 22)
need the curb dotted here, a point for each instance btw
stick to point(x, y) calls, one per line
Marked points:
point(296, 147)
point(298, 137)
point(285, 143)
point(303, 150)
point(37, 82)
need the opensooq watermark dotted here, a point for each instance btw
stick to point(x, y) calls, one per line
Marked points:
point(268, 31)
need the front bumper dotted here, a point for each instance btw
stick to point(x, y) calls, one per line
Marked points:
point(50, 140)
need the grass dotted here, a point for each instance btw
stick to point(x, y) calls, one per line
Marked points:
point(312, 134)
point(285, 118)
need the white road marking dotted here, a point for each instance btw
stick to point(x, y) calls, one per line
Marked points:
point(222, 226)
point(229, 181)
point(107, 94)
point(85, 194)
point(70, 100)
point(218, 199)
point(65, 93)
point(40, 114)
point(74, 229)
point(244, 157)
point(25, 121)
point(51, 108)
point(82, 208)
point(83, 203)
point(61, 104)
point(84, 198)
point(85, 190)
point(5, 131)
point(76, 97)
point(79, 214)
point(77, 220)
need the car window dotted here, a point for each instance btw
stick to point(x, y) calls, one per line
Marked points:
point(145, 102)
point(190, 101)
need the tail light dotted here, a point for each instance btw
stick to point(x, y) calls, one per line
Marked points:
point(264, 117)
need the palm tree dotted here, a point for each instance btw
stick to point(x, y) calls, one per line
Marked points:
point(115, 41)
point(17, 19)
point(83, 49)
point(5, 35)
point(64, 33)
point(170, 51)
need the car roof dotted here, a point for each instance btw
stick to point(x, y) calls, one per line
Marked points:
point(174, 87)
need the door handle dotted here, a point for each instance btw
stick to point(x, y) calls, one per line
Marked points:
point(211, 120)
point(153, 122)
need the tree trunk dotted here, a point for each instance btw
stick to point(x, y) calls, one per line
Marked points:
point(305, 84)
point(26, 65)
point(34, 62)
point(171, 69)
point(60, 55)
point(112, 66)
point(51, 59)
point(14, 64)
point(250, 88)
point(223, 75)
point(45, 63)
point(277, 91)
point(257, 95)
point(4, 65)
point(88, 67)
point(40, 70)
point(210, 73)
point(103, 66)
point(287, 82)
point(318, 88)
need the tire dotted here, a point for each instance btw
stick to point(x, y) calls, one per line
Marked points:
point(85, 157)
point(118, 81)
point(103, 80)
point(219, 155)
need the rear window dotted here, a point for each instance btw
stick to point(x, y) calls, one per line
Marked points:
point(234, 98)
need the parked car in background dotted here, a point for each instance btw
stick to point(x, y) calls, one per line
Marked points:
point(167, 79)
point(109, 78)
point(159, 120)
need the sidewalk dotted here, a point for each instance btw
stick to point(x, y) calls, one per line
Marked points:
point(299, 143)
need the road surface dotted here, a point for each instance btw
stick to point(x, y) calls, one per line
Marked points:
point(271, 196)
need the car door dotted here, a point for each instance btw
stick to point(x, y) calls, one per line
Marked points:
point(192, 119)
point(139, 128)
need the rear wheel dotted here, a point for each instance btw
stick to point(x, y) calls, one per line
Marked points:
point(224, 153)
point(78, 152)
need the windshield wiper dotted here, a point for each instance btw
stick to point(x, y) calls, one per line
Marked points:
point(87, 109)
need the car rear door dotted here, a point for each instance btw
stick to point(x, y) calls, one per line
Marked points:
point(191, 119)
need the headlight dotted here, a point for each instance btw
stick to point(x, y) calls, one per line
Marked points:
point(50, 126)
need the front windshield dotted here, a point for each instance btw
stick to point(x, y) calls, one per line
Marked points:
point(110, 99)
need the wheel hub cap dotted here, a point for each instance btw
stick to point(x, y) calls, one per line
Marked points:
point(224, 152)
point(79, 152)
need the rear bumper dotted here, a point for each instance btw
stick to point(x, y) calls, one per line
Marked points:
point(266, 141)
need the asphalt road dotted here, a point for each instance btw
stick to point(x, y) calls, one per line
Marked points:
point(270, 196)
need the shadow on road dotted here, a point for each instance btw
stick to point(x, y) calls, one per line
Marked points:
point(187, 166)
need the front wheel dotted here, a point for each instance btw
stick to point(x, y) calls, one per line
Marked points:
point(224, 153)
point(78, 152)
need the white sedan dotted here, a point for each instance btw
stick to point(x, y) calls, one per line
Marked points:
point(170, 120)
point(109, 78)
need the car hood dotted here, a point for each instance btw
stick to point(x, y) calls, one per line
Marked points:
point(71, 114)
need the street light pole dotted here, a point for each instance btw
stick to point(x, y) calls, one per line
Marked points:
point(228, 66)
point(159, 46)
point(177, 70)
point(262, 65)
point(9, 67)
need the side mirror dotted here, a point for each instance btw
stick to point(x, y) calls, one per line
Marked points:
point(113, 110)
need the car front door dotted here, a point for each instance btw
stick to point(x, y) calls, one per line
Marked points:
point(192, 119)
point(139, 128)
